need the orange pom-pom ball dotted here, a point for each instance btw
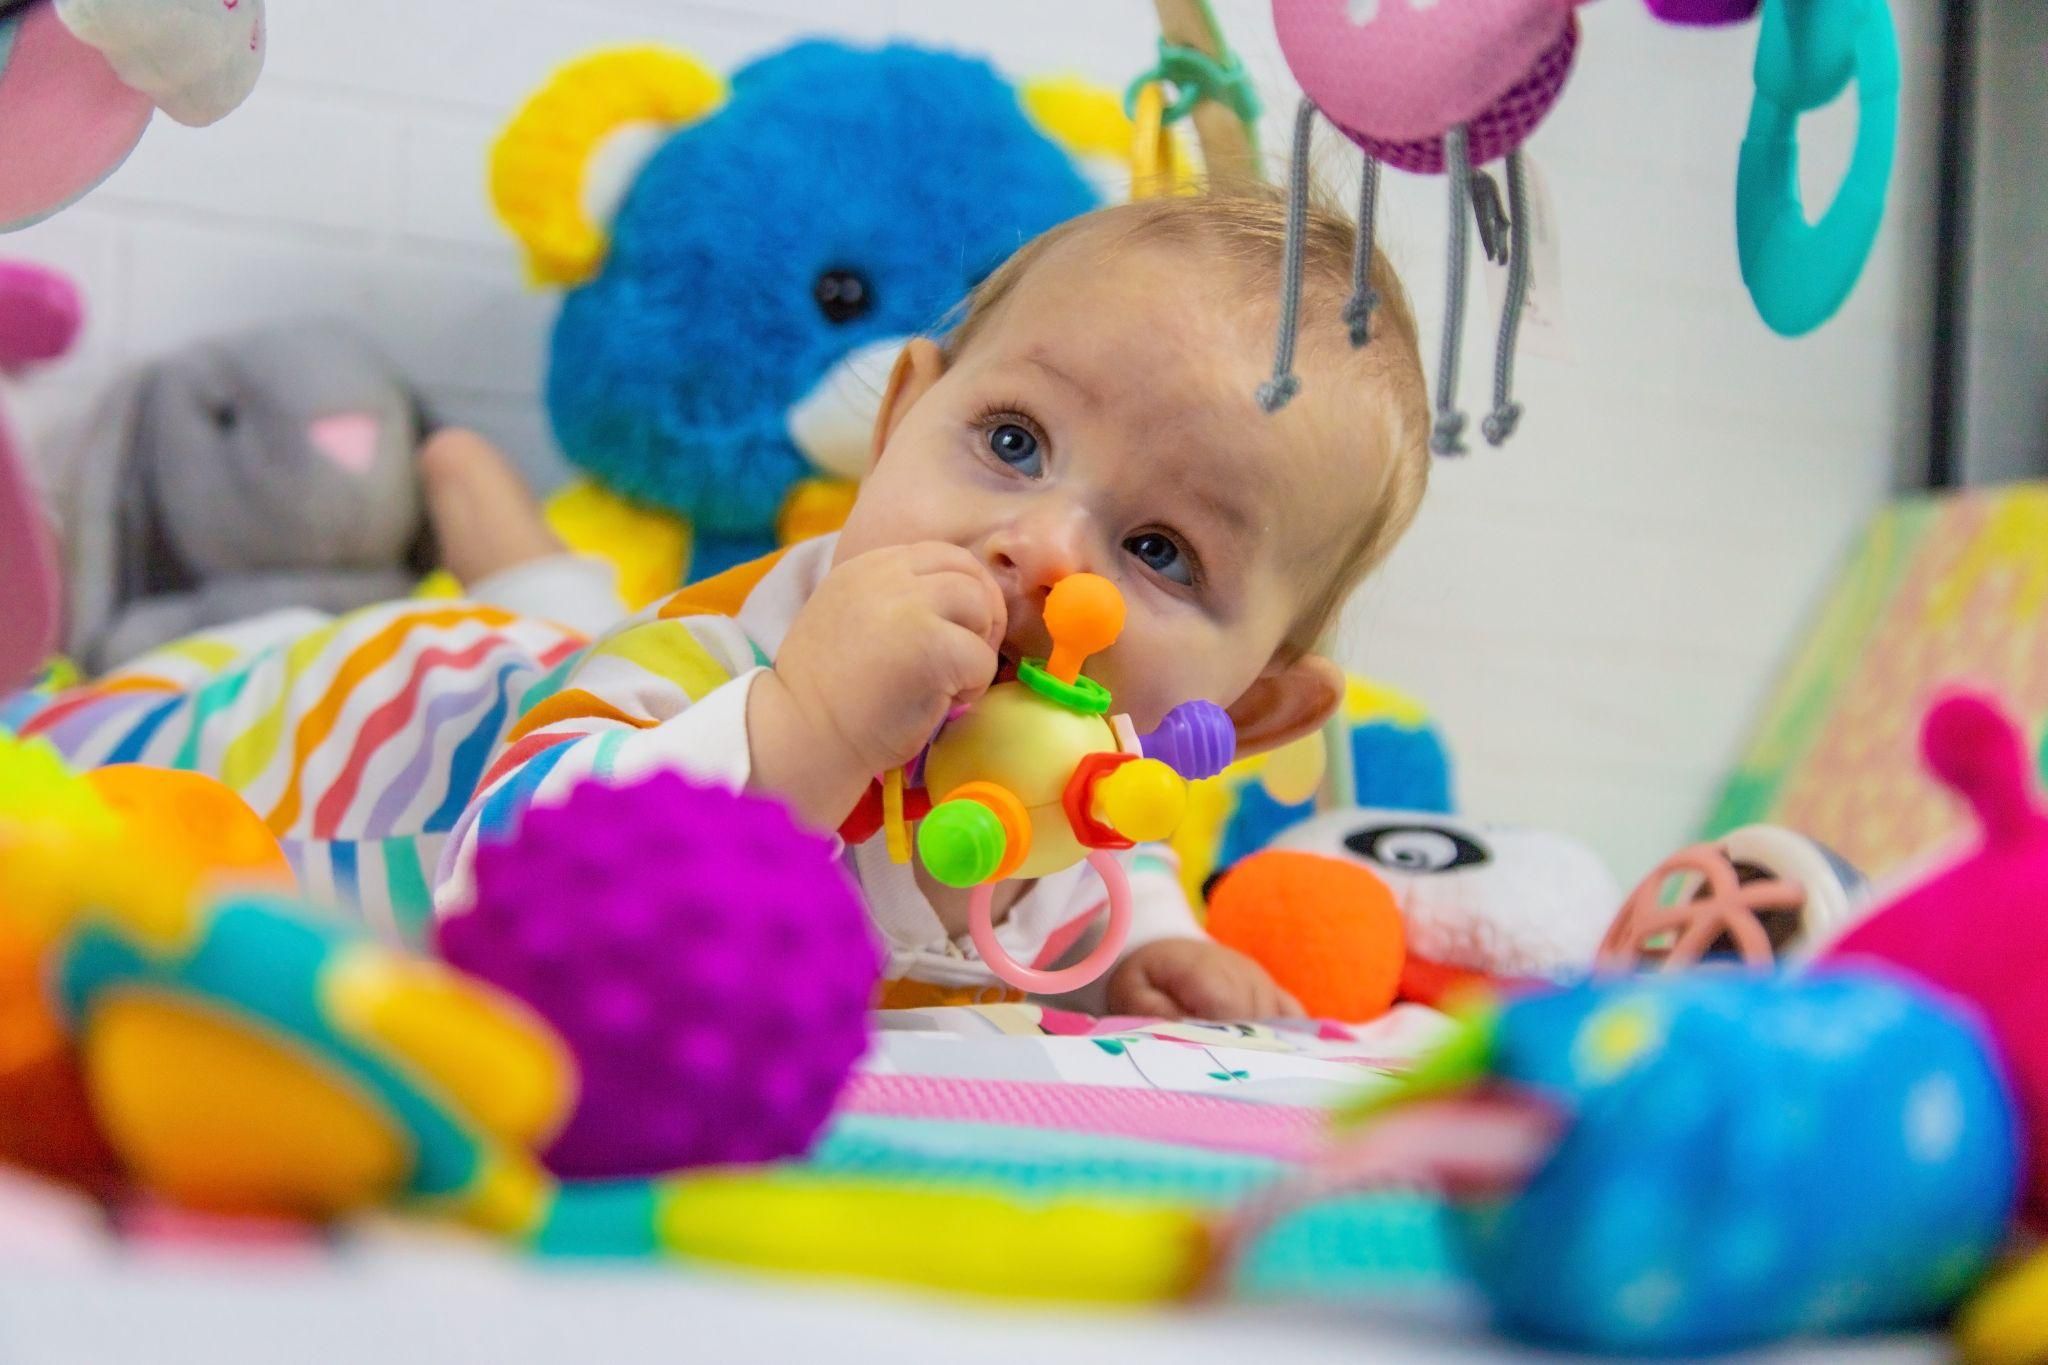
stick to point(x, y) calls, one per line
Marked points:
point(1328, 931)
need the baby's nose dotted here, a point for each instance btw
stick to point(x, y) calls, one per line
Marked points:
point(1031, 554)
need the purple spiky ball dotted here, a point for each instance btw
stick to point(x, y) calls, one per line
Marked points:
point(708, 963)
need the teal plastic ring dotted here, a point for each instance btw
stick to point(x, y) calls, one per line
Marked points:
point(1798, 271)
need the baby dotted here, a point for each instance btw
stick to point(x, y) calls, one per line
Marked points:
point(1092, 410)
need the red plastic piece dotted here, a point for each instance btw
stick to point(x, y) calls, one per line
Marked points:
point(1079, 800)
point(866, 820)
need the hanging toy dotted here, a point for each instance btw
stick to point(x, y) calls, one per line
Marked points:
point(1799, 272)
point(1038, 775)
point(1427, 89)
point(80, 80)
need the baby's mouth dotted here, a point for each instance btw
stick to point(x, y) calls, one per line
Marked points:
point(1006, 667)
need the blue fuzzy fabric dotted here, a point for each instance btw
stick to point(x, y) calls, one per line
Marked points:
point(1749, 1158)
point(1396, 768)
point(672, 371)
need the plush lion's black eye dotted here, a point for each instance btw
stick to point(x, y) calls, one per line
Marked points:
point(842, 295)
point(224, 415)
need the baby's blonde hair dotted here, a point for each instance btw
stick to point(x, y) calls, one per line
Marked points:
point(1246, 224)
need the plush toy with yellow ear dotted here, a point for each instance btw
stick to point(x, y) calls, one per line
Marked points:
point(724, 338)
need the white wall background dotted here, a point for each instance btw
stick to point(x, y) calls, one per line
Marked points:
point(1594, 612)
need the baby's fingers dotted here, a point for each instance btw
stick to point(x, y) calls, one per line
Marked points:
point(963, 663)
point(973, 604)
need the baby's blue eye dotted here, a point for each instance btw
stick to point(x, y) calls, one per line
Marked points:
point(1017, 448)
point(1159, 553)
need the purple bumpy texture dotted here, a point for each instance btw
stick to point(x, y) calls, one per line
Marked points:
point(708, 963)
point(1196, 740)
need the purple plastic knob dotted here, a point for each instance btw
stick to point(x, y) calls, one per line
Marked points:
point(1704, 12)
point(708, 963)
point(1196, 740)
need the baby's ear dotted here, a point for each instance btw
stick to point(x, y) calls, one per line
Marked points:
point(1287, 701)
point(918, 366)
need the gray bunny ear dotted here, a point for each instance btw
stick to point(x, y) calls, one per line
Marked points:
point(98, 502)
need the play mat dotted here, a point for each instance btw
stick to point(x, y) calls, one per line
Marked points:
point(1032, 1097)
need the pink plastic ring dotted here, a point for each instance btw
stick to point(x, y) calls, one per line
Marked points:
point(1031, 980)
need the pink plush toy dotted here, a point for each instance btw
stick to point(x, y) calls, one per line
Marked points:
point(39, 317)
point(1979, 931)
point(79, 80)
point(1429, 87)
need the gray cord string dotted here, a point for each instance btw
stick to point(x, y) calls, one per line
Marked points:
point(1500, 423)
point(1274, 393)
point(1448, 437)
point(1364, 298)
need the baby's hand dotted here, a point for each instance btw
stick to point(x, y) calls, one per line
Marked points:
point(1191, 977)
point(891, 641)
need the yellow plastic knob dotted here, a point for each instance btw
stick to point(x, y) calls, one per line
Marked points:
point(1144, 801)
point(1084, 613)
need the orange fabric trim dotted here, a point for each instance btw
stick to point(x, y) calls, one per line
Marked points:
point(572, 703)
point(919, 995)
point(722, 595)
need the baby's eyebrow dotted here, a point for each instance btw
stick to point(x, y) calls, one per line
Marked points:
point(1044, 363)
point(1231, 511)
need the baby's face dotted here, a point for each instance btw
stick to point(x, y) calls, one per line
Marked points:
point(1103, 420)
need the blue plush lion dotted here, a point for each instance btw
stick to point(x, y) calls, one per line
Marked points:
point(721, 343)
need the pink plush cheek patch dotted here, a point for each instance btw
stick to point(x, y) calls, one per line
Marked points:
point(349, 439)
point(70, 121)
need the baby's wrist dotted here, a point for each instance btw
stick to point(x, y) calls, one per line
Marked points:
point(799, 755)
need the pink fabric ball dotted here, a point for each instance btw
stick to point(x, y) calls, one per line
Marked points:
point(1404, 72)
point(709, 964)
point(1504, 126)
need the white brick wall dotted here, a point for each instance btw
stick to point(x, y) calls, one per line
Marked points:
point(1594, 612)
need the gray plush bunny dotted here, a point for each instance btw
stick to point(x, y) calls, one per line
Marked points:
point(269, 470)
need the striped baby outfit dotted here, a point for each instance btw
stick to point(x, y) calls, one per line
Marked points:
point(382, 746)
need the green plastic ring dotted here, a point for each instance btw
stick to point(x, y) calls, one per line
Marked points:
point(1083, 695)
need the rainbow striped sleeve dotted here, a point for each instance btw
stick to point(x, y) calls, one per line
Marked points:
point(660, 693)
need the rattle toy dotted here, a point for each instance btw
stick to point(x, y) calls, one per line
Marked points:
point(712, 979)
point(1038, 775)
point(1431, 89)
point(1799, 272)
point(80, 79)
point(39, 319)
point(1759, 895)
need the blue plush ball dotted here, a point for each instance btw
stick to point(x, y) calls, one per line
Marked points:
point(840, 196)
point(1748, 1158)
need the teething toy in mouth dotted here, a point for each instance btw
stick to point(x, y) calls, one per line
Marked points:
point(1039, 774)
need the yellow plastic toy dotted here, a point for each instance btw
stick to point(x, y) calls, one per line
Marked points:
point(1038, 775)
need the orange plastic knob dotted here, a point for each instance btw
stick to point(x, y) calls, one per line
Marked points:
point(1084, 613)
point(1327, 929)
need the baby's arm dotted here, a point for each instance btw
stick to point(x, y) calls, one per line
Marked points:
point(1171, 968)
point(656, 695)
point(871, 664)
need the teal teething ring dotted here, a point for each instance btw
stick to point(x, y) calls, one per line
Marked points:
point(1800, 272)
